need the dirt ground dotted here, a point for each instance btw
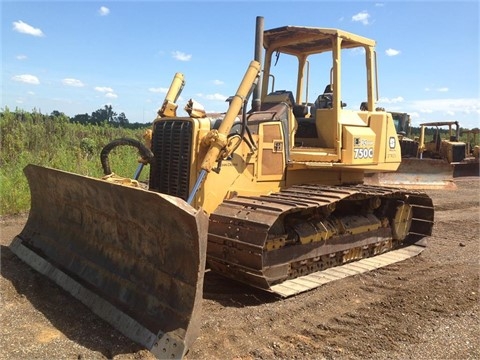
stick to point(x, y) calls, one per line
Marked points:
point(423, 308)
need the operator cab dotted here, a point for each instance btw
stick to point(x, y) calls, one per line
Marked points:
point(315, 55)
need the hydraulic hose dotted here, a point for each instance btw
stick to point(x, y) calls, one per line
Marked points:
point(145, 153)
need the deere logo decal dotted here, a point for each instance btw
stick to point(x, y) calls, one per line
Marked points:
point(392, 142)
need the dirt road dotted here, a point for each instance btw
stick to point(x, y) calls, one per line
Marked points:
point(423, 308)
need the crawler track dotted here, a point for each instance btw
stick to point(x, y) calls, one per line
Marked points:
point(285, 241)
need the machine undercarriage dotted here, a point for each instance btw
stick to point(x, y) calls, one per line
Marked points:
point(267, 241)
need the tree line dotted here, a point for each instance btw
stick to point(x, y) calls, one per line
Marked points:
point(102, 116)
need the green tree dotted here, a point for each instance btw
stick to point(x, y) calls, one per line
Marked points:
point(121, 120)
point(105, 115)
point(81, 119)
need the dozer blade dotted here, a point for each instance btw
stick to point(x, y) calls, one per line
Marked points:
point(134, 257)
point(420, 174)
point(467, 168)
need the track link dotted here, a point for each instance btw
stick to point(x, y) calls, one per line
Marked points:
point(269, 241)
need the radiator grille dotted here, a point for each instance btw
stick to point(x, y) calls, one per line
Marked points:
point(458, 152)
point(409, 148)
point(171, 145)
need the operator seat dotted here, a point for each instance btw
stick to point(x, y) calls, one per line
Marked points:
point(300, 110)
point(324, 101)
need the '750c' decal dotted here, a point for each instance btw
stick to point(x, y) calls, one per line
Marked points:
point(363, 153)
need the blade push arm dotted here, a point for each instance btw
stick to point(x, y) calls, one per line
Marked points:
point(218, 138)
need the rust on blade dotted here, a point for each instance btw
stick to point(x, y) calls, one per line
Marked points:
point(136, 258)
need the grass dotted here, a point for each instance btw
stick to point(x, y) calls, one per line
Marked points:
point(53, 141)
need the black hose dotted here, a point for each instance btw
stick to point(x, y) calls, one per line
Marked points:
point(145, 152)
point(249, 133)
point(244, 125)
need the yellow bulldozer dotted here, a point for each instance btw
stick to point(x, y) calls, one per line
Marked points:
point(431, 164)
point(473, 145)
point(270, 195)
point(449, 148)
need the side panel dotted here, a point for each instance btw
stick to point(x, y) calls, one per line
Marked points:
point(326, 128)
point(271, 159)
point(358, 145)
point(387, 144)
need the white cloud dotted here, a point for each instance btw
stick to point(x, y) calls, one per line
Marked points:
point(24, 28)
point(465, 106)
point(104, 89)
point(218, 82)
point(466, 111)
point(425, 110)
point(181, 56)
point(216, 96)
point(27, 79)
point(158, 90)
point(440, 89)
point(72, 82)
point(356, 51)
point(108, 91)
point(104, 11)
point(392, 52)
point(21, 57)
point(362, 17)
point(414, 115)
point(396, 100)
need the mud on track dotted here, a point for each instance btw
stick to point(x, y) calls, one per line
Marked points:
point(423, 308)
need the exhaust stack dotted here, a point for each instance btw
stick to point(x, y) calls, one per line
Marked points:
point(256, 100)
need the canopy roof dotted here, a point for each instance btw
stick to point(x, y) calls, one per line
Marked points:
point(297, 40)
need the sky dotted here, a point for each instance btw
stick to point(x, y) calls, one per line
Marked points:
point(78, 56)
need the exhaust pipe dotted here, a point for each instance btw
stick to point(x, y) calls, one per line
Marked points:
point(256, 101)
